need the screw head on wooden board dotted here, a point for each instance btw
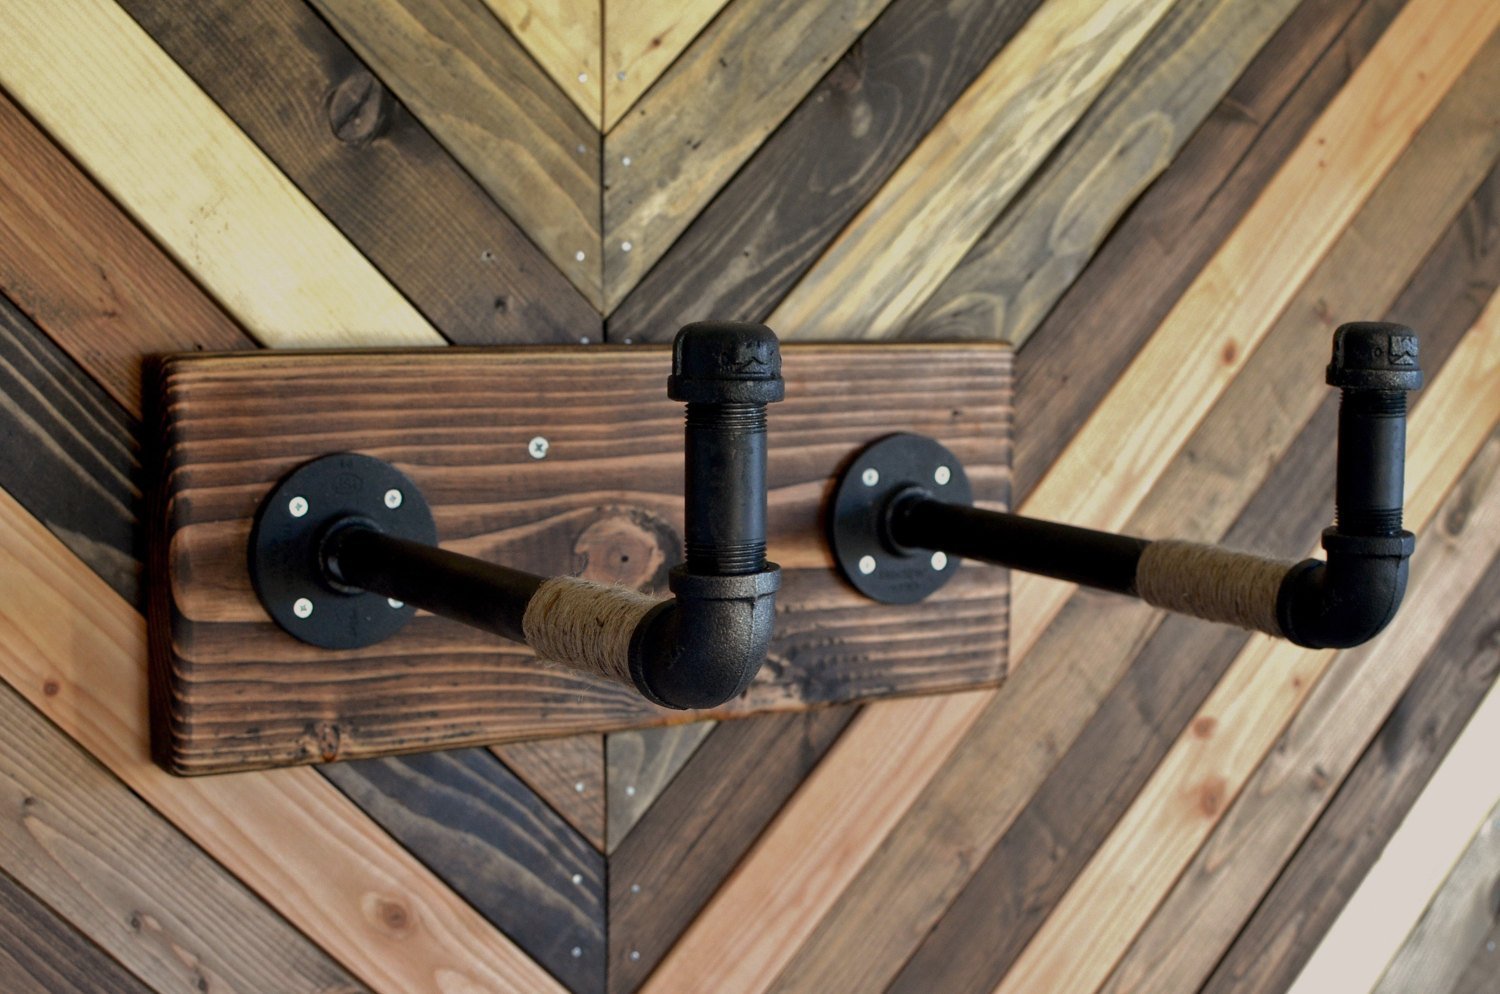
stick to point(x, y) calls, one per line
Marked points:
point(538, 447)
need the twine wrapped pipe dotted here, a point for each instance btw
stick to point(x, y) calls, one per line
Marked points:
point(1216, 584)
point(585, 626)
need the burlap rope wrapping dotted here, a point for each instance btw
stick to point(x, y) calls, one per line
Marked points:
point(585, 626)
point(1208, 582)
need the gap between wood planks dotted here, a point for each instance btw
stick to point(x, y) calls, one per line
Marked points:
point(1291, 225)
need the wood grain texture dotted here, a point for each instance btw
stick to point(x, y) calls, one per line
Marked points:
point(1037, 843)
point(1373, 798)
point(479, 828)
point(73, 648)
point(1260, 692)
point(665, 870)
point(669, 155)
point(907, 239)
point(98, 84)
point(745, 250)
point(370, 166)
point(1479, 976)
point(641, 39)
point(566, 773)
point(77, 837)
point(963, 801)
point(243, 693)
point(1456, 922)
point(1009, 280)
point(1104, 319)
point(453, 64)
point(41, 954)
point(70, 454)
point(641, 763)
point(78, 267)
point(1389, 901)
point(566, 39)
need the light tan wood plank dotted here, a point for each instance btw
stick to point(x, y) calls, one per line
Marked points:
point(144, 130)
point(1283, 799)
point(641, 39)
point(640, 764)
point(1455, 923)
point(1264, 688)
point(1034, 601)
point(77, 652)
point(81, 841)
point(1418, 857)
point(475, 88)
point(668, 156)
point(566, 773)
point(566, 39)
point(906, 240)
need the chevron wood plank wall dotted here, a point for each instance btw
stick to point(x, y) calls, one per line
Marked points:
point(1166, 205)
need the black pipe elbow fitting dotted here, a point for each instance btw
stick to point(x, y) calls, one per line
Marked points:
point(704, 647)
point(1352, 597)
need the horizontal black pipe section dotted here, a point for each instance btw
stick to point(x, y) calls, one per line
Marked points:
point(478, 593)
point(1063, 552)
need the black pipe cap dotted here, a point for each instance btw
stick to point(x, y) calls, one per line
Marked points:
point(1374, 355)
point(726, 362)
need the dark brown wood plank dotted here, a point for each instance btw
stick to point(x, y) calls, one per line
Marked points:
point(370, 165)
point(480, 829)
point(69, 453)
point(566, 773)
point(670, 865)
point(245, 693)
point(745, 250)
point(1371, 803)
point(41, 954)
point(1099, 325)
point(78, 267)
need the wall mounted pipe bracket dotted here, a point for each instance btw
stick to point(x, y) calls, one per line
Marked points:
point(901, 514)
point(344, 550)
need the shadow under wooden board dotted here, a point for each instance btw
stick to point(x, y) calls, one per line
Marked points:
point(232, 691)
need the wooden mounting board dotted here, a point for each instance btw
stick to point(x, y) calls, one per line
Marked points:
point(231, 691)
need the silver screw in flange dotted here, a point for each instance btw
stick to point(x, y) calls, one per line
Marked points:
point(942, 475)
point(297, 506)
point(393, 499)
point(867, 565)
point(395, 604)
point(939, 561)
point(870, 477)
point(538, 447)
point(302, 607)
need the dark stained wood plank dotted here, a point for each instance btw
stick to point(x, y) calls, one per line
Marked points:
point(566, 773)
point(42, 954)
point(369, 165)
point(668, 867)
point(1009, 280)
point(479, 828)
point(673, 151)
point(73, 262)
point(1215, 474)
point(245, 693)
point(1479, 977)
point(81, 841)
point(1456, 922)
point(1370, 804)
point(640, 765)
point(1103, 320)
point(68, 453)
point(453, 65)
point(746, 249)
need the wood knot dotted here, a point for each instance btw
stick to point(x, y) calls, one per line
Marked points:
point(631, 547)
point(329, 738)
point(1204, 727)
point(359, 109)
point(51, 687)
point(1211, 796)
point(390, 914)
